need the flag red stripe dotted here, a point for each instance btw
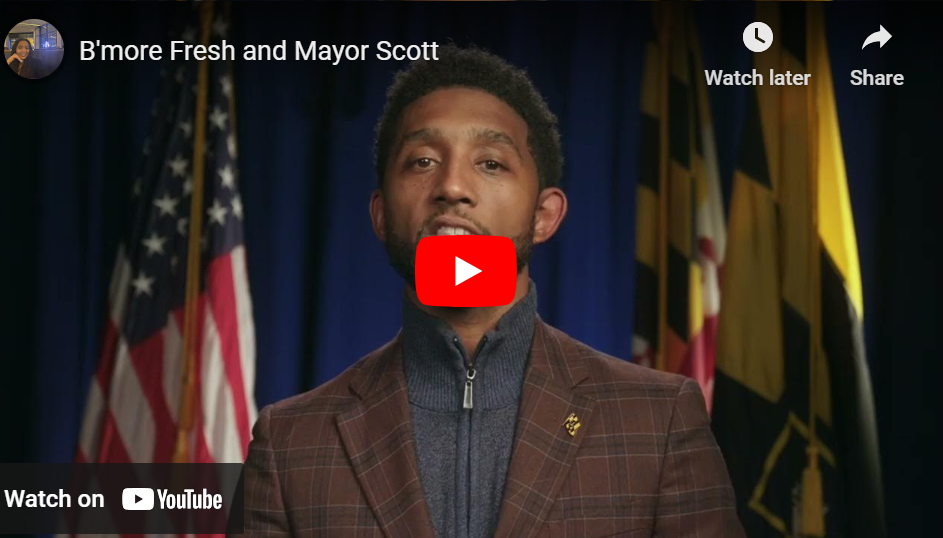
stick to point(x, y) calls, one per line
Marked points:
point(699, 360)
point(147, 358)
point(202, 450)
point(222, 299)
point(111, 449)
point(106, 363)
point(706, 246)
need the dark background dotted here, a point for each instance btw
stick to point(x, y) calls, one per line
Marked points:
point(322, 290)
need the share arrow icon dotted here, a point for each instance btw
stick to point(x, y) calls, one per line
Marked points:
point(881, 36)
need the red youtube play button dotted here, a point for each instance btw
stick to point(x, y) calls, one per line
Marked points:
point(466, 270)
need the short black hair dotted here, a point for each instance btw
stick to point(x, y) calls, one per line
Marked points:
point(473, 68)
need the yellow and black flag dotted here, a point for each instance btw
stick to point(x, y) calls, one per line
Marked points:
point(793, 407)
point(679, 234)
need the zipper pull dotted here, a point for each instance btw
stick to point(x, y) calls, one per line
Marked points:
point(469, 376)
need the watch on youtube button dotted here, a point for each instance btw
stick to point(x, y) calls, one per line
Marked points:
point(466, 270)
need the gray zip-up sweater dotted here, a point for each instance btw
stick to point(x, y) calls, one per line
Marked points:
point(464, 453)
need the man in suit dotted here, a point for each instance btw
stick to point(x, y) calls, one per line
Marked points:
point(479, 422)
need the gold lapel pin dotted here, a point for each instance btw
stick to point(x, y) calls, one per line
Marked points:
point(572, 423)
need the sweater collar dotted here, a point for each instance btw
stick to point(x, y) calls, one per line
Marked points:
point(434, 359)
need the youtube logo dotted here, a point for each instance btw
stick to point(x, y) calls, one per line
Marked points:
point(137, 499)
point(466, 270)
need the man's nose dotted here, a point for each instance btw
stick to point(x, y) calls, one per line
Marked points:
point(456, 185)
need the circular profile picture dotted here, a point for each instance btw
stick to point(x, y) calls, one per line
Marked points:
point(33, 49)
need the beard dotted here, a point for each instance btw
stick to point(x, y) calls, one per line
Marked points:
point(402, 252)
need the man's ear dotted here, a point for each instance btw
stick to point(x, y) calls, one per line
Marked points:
point(378, 215)
point(551, 209)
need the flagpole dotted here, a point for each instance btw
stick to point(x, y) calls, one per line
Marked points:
point(813, 518)
point(191, 312)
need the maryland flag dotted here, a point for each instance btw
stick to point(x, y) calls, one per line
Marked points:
point(680, 237)
point(793, 408)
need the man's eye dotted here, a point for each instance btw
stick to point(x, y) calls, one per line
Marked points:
point(422, 162)
point(492, 166)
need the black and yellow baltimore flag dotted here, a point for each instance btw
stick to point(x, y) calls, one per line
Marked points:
point(679, 232)
point(793, 407)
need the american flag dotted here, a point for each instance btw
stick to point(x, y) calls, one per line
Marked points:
point(134, 405)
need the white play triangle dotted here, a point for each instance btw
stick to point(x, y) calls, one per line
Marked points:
point(464, 270)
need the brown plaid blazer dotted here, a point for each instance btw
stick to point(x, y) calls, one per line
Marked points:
point(340, 460)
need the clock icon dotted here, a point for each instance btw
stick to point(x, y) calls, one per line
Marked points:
point(757, 36)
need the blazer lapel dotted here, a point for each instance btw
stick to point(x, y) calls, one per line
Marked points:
point(543, 449)
point(377, 435)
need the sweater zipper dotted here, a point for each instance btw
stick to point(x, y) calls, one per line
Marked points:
point(467, 400)
point(469, 377)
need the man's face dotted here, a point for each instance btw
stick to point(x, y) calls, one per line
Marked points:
point(459, 165)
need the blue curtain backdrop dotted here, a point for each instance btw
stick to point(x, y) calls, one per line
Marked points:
point(322, 290)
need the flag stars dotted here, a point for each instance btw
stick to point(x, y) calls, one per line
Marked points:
point(220, 27)
point(237, 207)
point(186, 127)
point(178, 165)
point(167, 205)
point(226, 82)
point(143, 284)
point(189, 34)
point(188, 186)
point(218, 118)
point(217, 213)
point(154, 244)
point(182, 226)
point(228, 177)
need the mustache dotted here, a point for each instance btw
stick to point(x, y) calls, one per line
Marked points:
point(445, 212)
